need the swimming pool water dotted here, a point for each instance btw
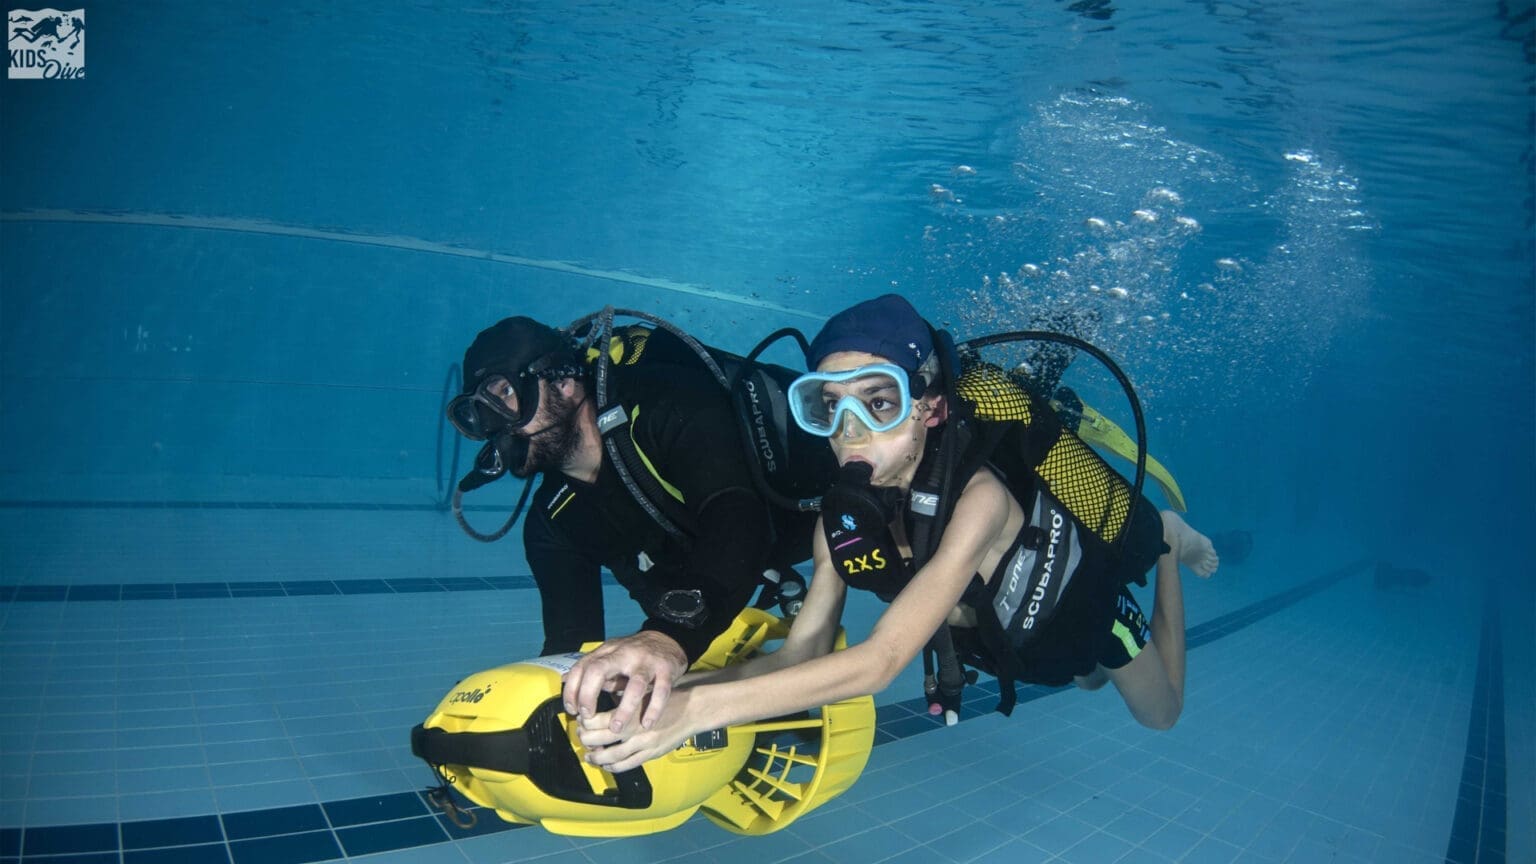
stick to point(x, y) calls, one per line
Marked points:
point(240, 258)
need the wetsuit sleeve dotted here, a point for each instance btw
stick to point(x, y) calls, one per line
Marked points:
point(570, 586)
point(701, 455)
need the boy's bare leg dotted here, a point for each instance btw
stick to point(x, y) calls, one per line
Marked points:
point(1093, 680)
point(1194, 550)
point(1153, 684)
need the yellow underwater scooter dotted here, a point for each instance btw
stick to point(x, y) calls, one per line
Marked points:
point(501, 738)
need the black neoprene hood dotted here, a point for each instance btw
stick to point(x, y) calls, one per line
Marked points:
point(508, 347)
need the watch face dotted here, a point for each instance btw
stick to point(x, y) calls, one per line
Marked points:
point(682, 606)
point(683, 601)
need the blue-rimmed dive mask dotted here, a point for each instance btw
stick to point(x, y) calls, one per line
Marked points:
point(878, 394)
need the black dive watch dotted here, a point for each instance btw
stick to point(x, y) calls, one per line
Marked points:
point(682, 606)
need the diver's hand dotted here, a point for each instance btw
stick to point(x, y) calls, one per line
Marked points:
point(646, 663)
point(616, 750)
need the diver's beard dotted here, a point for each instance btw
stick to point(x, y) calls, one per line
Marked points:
point(553, 446)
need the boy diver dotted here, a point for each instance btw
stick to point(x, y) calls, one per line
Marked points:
point(877, 393)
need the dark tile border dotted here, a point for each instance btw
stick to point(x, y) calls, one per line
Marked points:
point(908, 718)
point(187, 831)
point(82, 504)
point(285, 849)
point(211, 853)
point(91, 592)
point(1236, 620)
point(70, 839)
point(1479, 828)
point(389, 836)
point(250, 824)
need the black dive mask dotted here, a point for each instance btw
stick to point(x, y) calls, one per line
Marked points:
point(481, 413)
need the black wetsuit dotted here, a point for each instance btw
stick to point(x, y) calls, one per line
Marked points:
point(1096, 620)
point(686, 429)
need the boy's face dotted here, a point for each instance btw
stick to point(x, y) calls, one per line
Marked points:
point(892, 455)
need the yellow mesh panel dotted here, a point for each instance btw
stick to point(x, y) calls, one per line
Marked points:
point(1073, 472)
point(1095, 494)
point(993, 395)
point(625, 345)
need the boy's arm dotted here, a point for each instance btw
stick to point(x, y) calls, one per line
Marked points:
point(810, 635)
point(862, 669)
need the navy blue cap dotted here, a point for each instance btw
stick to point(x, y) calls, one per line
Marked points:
point(887, 326)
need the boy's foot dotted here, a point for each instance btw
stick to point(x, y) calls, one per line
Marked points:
point(1195, 549)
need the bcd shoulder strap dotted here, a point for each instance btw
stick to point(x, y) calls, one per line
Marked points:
point(660, 500)
point(615, 423)
point(790, 477)
point(961, 450)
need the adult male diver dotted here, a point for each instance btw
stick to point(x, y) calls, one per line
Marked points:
point(528, 391)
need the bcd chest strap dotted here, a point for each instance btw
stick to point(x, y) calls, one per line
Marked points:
point(960, 449)
point(616, 425)
point(1039, 566)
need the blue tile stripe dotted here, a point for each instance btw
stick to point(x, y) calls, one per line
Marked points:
point(365, 506)
point(241, 590)
point(904, 719)
point(286, 835)
point(1478, 830)
point(321, 832)
point(308, 588)
point(1231, 622)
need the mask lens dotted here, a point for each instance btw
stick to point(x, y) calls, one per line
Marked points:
point(498, 394)
point(466, 416)
point(877, 395)
point(488, 410)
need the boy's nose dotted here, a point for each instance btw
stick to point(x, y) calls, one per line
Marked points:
point(852, 426)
